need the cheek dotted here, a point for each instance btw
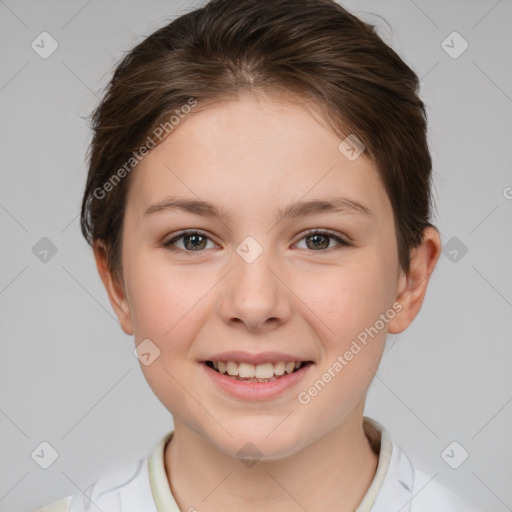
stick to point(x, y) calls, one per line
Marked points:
point(347, 299)
point(157, 291)
point(170, 305)
point(166, 309)
point(349, 304)
point(161, 298)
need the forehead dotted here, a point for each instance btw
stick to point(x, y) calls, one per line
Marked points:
point(254, 153)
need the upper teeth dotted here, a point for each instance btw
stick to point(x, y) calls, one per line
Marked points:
point(258, 371)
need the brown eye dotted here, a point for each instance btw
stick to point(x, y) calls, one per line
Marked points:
point(317, 240)
point(192, 241)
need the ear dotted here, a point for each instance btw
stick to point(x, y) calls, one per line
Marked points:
point(115, 289)
point(412, 286)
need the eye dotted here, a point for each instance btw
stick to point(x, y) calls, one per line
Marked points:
point(320, 240)
point(193, 240)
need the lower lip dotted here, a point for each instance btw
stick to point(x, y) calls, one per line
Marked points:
point(257, 390)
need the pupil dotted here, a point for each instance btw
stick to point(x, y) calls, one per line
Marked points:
point(316, 237)
point(191, 237)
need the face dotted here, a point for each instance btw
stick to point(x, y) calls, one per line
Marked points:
point(258, 281)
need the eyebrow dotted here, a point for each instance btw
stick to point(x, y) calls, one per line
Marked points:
point(296, 209)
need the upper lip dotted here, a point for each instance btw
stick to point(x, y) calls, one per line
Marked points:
point(263, 357)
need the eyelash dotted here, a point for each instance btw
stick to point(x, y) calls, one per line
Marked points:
point(169, 243)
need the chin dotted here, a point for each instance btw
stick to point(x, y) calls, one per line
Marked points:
point(263, 440)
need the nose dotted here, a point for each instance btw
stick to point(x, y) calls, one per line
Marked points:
point(254, 295)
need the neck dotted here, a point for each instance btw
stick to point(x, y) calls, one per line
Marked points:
point(332, 473)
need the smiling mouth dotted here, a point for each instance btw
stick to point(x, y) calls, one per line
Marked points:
point(266, 372)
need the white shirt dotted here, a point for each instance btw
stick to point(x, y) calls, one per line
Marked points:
point(143, 486)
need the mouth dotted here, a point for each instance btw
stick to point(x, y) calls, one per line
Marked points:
point(265, 372)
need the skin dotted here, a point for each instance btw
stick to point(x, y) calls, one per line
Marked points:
point(251, 156)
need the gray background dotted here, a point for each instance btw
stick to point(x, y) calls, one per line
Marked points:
point(67, 372)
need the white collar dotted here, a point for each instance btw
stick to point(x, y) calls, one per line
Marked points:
point(394, 479)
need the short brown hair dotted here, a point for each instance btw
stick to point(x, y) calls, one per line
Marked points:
point(314, 49)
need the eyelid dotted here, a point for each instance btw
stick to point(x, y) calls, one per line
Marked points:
point(321, 231)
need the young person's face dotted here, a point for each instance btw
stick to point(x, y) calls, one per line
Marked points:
point(254, 282)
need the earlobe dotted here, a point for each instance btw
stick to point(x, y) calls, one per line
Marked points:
point(114, 288)
point(412, 286)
